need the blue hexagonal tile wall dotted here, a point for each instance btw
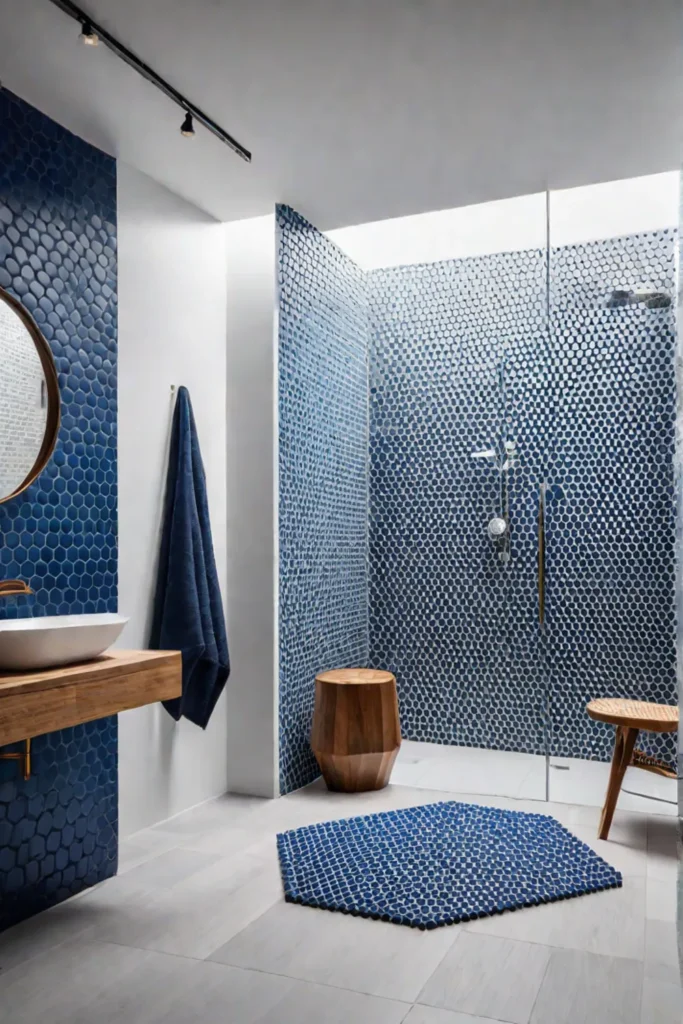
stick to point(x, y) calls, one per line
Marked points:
point(58, 831)
point(590, 399)
point(323, 464)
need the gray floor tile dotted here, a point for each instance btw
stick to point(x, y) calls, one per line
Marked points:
point(85, 982)
point(40, 934)
point(624, 852)
point(582, 988)
point(142, 847)
point(80, 982)
point(228, 810)
point(430, 1015)
point(662, 1002)
point(305, 1003)
point(489, 977)
point(661, 945)
point(611, 923)
point(661, 899)
point(164, 870)
point(662, 849)
point(207, 884)
point(335, 949)
point(670, 973)
point(191, 918)
point(226, 842)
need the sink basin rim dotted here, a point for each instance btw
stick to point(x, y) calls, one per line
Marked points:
point(43, 623)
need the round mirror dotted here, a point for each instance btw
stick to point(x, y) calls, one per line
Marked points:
point(29, 399)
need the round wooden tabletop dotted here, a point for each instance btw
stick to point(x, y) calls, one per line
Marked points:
point(634, 714)
point(355, 676)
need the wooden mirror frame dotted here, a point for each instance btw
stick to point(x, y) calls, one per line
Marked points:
point(52, 388)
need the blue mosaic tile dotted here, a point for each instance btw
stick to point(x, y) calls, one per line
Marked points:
point(58, 829)
point(323, 478)
point(58, 257)
point(589, 397)
point(438, 864)
point(458, 629)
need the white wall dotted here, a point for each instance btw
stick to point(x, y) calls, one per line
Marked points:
point(591, 212)
point(172, 330)
point(366, 109)
point(505, 225)
point(625, 207)
point(252, 506)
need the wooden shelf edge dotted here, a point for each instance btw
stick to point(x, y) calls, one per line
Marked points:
point(86, 692)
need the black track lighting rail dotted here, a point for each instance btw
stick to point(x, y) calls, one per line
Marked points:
point(151, 75)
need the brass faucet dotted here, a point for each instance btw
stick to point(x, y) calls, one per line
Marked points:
point(8, 588)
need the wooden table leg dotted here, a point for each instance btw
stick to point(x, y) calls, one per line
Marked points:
point(624, 742)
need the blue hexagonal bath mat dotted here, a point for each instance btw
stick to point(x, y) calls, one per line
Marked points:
point(438, 864)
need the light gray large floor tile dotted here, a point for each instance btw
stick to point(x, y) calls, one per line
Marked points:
point(623, 853)
point(163, 871)
point(142, 847)
point(216, 992)
point(41, 933)
point(662, 1002)
point(661, 949)
point(488, 977)
point(306, 1003)
point(661, 899)
point(230, 810)
point(193, 917)
point(226, 842)
point(430, 1015)
point(611, 922)
point(582, 988)
point(83, 983)
point(80, 982)
point(662, 850)
point(335, 949)
point(81, 914)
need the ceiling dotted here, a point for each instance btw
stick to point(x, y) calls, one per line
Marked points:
point(361, 110)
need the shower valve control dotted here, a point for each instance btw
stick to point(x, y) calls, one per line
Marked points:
point(497, 528)
point(499, 535)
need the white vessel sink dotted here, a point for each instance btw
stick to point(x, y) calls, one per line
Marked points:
point(27, 644)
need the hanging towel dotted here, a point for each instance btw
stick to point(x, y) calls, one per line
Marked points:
point(188, 610)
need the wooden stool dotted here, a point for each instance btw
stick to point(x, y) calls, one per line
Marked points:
point(630, 716)
point(356, 733)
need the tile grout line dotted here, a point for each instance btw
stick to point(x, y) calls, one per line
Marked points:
point(545, 973)
point(251, 970)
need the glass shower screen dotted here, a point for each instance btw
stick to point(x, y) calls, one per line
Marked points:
point(610, 514)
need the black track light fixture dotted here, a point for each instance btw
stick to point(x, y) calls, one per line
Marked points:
point(88, 36)
point(93, 34)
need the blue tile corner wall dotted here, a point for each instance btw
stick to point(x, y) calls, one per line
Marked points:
point(58, 830)
point(460, 632)
point(323, 477)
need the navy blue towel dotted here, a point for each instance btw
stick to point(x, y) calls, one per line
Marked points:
point(188, 610)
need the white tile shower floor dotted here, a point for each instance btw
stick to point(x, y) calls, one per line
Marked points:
point(495, 772)
point(194, 929)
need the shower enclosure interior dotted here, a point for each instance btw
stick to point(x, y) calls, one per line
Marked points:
point(521, 512)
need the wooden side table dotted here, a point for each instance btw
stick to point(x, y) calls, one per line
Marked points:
point(356, 732)
point(630, 716)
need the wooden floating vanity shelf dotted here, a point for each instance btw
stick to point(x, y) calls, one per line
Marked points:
point(33, 703)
